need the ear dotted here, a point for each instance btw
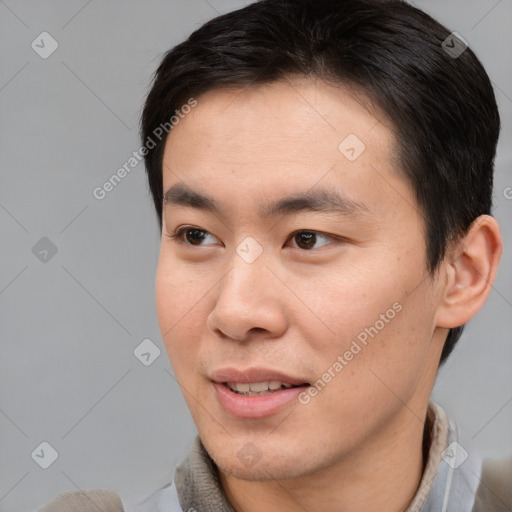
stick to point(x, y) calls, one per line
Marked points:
point(470, 268)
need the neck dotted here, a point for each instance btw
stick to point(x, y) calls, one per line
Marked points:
point(383, 475)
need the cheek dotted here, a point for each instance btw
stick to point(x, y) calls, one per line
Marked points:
point(180, 300)
point(184, 299)
point(371, 310)
point(180, 287)
point(346, 300)
point(169, 284)
point(376, 358)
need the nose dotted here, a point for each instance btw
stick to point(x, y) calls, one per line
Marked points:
point(250, 302)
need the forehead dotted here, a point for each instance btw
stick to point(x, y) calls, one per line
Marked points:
point(283, 113)
point(287, 136)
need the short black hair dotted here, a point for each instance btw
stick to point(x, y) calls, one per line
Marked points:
point(441, 104)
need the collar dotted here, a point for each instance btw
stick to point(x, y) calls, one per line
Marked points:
point(449, 482)
point(452, 473)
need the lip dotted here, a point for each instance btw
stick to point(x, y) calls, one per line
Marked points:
point(253, 375)
point(256, 406)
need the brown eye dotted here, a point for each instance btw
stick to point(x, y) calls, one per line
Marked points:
point(192, 236)
point(305, 239)
point(309, 240)
point(195, 236)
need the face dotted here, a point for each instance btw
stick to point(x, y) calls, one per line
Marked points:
point(292, 291)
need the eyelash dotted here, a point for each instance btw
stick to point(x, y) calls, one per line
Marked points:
point(178, 236)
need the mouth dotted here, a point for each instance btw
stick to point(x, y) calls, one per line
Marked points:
point(259, 388)
point(255, 393)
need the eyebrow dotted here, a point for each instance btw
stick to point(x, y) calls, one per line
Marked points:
point(318, 200)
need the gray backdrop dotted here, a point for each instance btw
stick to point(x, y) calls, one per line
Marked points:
point(77, 273)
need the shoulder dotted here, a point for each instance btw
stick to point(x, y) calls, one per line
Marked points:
point(163, 500)
point(495, 489)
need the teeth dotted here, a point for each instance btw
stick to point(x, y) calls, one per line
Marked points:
point(243, 388)
point(256, 388)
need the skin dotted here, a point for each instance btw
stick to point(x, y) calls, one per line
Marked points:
point(296, 309)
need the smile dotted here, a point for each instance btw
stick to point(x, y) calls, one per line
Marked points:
point(257, 388)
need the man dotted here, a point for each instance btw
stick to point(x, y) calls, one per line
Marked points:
point(322, 174)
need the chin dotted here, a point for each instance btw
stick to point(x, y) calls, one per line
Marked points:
point(263, 471)
point(270, 464)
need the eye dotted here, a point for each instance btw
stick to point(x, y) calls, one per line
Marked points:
point(191, 235)
point(307, 239)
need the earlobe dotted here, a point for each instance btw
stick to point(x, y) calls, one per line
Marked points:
point(470, 270)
